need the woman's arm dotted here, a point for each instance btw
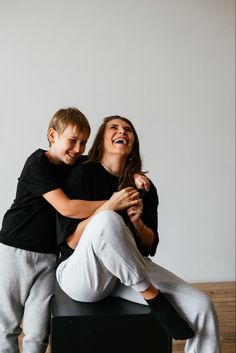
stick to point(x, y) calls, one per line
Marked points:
point(74, 238)
point(120, 200)
point(144, 220)
point(143, 232)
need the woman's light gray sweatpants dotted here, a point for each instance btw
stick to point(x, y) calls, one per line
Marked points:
point(107, 262)
point(27, 281)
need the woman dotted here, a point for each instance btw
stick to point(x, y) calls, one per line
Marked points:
point(108, 254)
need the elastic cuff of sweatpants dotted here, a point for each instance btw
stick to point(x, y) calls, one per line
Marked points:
point(141, 286)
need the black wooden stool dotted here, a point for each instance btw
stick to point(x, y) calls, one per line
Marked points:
point(112, 325)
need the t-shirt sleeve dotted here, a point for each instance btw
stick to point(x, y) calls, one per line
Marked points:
point(40, 177)
point(150, 218)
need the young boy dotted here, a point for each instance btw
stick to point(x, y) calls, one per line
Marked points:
point(28, 247)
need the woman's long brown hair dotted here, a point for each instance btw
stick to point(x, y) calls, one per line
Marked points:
point(133, 162)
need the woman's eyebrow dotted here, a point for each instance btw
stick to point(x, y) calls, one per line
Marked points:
point(123, 126)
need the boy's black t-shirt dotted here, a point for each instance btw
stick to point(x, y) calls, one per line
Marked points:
point(30, 223)
point(90, 181)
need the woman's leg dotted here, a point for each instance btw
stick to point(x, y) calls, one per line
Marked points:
point(192, 304)
point(106, 251)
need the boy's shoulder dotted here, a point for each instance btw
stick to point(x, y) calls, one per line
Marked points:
point(38, 154)
point(38, 157)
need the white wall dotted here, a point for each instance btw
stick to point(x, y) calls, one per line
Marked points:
point(168, 65)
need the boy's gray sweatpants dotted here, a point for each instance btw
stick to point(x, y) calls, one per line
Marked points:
point(27, 282)
point(107, 262)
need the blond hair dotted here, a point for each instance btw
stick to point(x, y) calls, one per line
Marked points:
point(70, 116)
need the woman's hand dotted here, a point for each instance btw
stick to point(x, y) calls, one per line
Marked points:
point(134, 212)
point(144, 233)
point(141, 181)
point(121, 200)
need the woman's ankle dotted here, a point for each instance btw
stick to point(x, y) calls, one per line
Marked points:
point(150, 293)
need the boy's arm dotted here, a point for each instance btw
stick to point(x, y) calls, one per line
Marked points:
point(71, 208)
point(74, 208)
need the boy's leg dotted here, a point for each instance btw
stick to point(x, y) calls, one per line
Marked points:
point(36, 321)
point(13, 290)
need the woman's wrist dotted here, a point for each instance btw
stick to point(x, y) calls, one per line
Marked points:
point(139, 226)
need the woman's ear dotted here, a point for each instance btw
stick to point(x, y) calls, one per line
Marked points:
point(51, 135)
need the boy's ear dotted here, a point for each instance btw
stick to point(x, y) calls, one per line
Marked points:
point(51, 135)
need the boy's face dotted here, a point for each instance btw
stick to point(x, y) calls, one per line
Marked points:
point(67, 146)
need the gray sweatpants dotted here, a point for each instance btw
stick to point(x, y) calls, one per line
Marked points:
point(107, 262)
point(27, 282)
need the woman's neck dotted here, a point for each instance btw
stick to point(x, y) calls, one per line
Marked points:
point(114, 167)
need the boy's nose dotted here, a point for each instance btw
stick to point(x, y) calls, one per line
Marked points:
point(78, 148)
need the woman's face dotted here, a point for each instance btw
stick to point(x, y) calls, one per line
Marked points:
point(118, 138)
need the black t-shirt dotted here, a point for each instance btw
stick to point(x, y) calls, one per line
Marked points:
point(90, 181)
point(30, 223)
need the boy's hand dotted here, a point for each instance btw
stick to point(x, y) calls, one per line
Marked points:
point(141, 181)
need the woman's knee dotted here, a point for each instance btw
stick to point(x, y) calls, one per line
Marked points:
point(106, 227)
point(107, 216)
point(107, 222)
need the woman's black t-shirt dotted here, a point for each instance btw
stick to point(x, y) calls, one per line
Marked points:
point(90, 181)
